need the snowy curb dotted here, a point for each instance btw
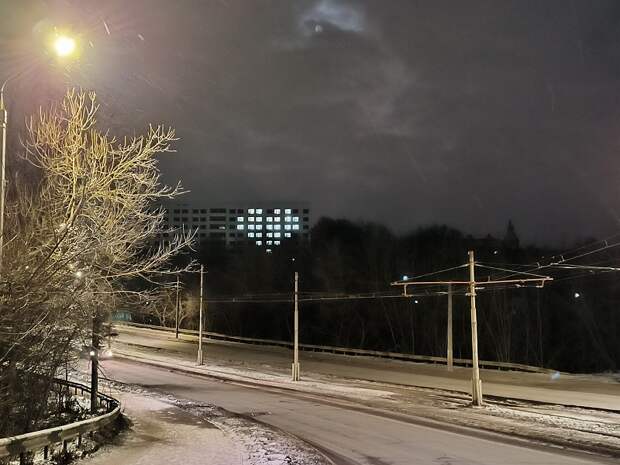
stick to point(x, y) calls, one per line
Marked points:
point(264, 380)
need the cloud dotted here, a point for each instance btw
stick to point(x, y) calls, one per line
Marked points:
point(339, 14)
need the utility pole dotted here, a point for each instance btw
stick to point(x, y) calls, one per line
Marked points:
point(200, 360)
point(295, 368)
point(475, 379)
point(176, 317)
point(518, 280)
point(450, 354)
point(94, 364)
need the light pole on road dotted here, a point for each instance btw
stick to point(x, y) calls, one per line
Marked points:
point(200, 360)
point(295, 368)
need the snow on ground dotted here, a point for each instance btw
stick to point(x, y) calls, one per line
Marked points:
point(580, 428)
point(170, 431)
point(161, 434)
point(600, 392)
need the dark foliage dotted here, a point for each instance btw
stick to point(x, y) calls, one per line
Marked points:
point(546, 327)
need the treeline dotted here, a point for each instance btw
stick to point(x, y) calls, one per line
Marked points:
point(571, 324)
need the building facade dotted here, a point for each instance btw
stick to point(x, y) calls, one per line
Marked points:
point(258, 224)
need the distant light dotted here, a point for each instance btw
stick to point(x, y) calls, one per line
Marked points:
point(405, 277)
point(318, 28)
point(416, 301)
point(495, 252)
point(92, 353)
point(576, 295)
point(64, 46)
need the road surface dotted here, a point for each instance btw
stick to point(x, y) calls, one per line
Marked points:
point(583, 391)
point(347, 435)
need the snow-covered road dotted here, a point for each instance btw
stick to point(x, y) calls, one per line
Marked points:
point(583, 391)
point(349, 435)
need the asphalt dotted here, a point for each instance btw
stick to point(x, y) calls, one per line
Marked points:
point(347, 435)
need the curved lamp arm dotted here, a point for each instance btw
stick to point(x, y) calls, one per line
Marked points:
point(6, 81)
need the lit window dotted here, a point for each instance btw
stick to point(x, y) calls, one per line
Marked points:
point(287, 219)
point(287, 211)
point(259, 234)
point(269, 234)
point(250, 226)
point(251, 219)
point(287, 227)
point(240, 227)
point(259, 219)
point(276, 234)
point(277, 227)
point(287, 234)
point(250, 234)
point(240, 219)
point(277, 211)
point(269, 242)
point(270, 219)
point(276, 242)
point(251, 211)
point(259, 226)
point(295, 227)
point(259, 242)
point(276, 219)
point(269, 227)
point(295, 219)
point(259, 211)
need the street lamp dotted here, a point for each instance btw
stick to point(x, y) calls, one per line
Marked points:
point(63, 46)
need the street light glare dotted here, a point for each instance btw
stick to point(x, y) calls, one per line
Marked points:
point(64, 46)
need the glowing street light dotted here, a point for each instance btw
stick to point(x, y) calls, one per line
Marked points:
point(64, 46)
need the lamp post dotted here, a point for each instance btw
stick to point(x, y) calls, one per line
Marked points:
point(200, 358)
point(3, 121)
point(63, 46)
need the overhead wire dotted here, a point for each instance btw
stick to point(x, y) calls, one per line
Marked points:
point(433, 273)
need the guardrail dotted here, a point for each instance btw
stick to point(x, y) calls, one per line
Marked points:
point(20, 445)
point(348, 351)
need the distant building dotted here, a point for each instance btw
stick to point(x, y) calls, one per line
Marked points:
point(259, 224)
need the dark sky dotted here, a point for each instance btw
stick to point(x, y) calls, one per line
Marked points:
point(405, 112)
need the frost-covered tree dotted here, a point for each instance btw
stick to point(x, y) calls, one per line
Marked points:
point(74, 237)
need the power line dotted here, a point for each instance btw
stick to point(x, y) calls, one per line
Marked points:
point(435, 273)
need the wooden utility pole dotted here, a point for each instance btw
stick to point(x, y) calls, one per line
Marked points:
point(176, 313)
point(295, 368)
point(200, 360)
point(449, 344)
point(475, 378)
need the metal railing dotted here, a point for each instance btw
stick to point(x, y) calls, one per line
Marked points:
point(349, 351)
point(46, 439)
